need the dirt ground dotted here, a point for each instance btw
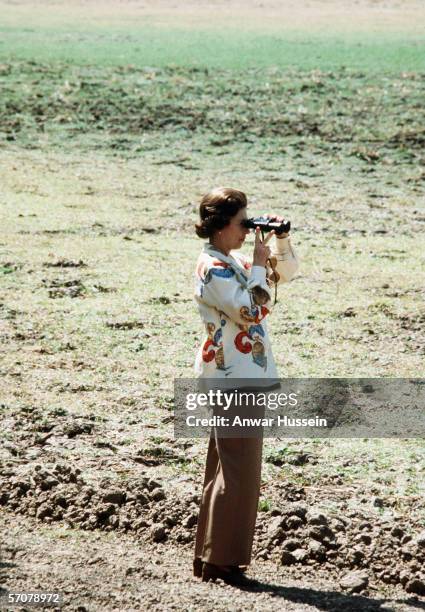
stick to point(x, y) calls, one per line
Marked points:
point(116, 572)
point(407, 16)
point(112, 528)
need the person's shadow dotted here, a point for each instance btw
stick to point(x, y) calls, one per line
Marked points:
point(330, 601)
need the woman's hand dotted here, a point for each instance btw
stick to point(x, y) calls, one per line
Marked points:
point(261, 251)
point(278, 219)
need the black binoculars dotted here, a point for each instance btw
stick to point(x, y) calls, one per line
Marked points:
point(267, 225)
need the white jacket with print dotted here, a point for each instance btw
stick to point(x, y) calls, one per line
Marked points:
point(234, 299)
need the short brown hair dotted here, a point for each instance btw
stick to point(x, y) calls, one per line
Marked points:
point(217, 208)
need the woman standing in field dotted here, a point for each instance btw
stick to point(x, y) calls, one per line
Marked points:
point(234, 297)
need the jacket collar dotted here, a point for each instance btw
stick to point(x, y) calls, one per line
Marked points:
point(228, 259)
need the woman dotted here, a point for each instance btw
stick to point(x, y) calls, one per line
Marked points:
point(234, 298)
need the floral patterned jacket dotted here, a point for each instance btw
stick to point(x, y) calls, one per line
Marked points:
point(234, 299)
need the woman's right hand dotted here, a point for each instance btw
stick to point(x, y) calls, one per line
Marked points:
point(261, 250)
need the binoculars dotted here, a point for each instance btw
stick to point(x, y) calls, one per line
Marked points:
point(267, 225)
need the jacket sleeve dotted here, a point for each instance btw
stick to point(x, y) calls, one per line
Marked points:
point(285, 261)
point(222, 290)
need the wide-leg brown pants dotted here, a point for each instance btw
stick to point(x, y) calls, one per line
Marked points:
point(229, 504)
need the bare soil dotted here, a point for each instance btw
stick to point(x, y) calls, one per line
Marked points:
point(320, 15)
point(95, 571)
point(73, 524)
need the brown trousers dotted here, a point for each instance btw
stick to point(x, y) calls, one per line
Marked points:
point(229, 504)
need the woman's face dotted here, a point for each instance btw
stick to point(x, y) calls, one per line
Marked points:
point(233, 235)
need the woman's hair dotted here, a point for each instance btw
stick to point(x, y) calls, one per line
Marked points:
point(217, 208)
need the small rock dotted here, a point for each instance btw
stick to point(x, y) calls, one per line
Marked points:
point(43, 511)
point(317, 550)
point(320, 533)
point(113, 521)
point(142, 499)
point(365, 525)
point(185, 536)
point(300, 555)
point(291, 544)
point(92, 521)
point(48, 483)
point(60, 500)
point(397, 532)
point(114, 496)
point(316, 518)
point(263, 554)
point(354, 582)
point(349, 312)
point(297, 509)
point(158, 533)
point(140, 524)
point(417, 586)
point(275, 525)
point(171, 520)
point(152, 484)
point(104, 511)
point(338, 525)
point(299, 459)
point(365, 538)
point(287, 558)
point(294, 522)
point(378, 502)
point(190, 521)
point(158, 495)
point(355, 556)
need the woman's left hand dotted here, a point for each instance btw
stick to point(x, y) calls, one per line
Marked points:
point(278, 219)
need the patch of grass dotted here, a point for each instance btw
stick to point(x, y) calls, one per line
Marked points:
point(214, 48)
point(332, 111)
point(264, 505)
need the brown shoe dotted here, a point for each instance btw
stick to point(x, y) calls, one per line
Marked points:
point(231, 575)
point(197, 567)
